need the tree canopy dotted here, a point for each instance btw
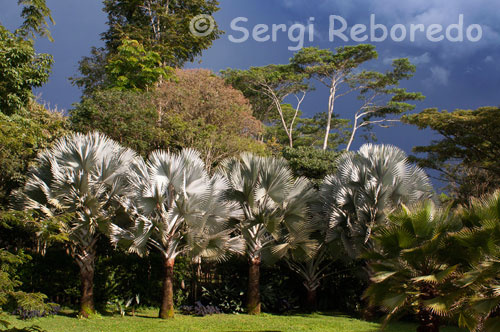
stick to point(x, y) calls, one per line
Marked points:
point(467, 150)
point(162, 26)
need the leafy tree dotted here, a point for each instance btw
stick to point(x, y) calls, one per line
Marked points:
point(276, 83)
point(128, 117)
point(468, 151)
point(161, 26)
point(274, 219)
point(412, 265)
point(194, 110)
point(22, 136)
point(179, 210)
point(217, 119)
point(10, 283)
point(92, 68)
point(134, 68)
point(305, 132)
point(35, 14)
point(314, 164)
point(21, 69)
point(379, 93)
point(81, 175)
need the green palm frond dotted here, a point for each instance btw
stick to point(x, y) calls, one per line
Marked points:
point(411, 267)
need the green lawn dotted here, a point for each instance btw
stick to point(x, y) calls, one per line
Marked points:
point(146, 321)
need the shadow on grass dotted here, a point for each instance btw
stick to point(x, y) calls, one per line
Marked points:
point(33, 328)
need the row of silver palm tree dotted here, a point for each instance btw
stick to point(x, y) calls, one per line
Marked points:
point(251, 205)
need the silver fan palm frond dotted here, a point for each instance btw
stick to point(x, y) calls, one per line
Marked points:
point(85, 176)
point(271, 199)
point(178, 209)
point(368, 185)
point(176, 206)
point(275, 207)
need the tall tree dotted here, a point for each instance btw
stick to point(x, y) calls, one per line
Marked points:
point(339, 71)
point(178, 209)
point(21, 70)
point(467, 152)
point(274, 219)
point(134, 68)
point(276, 83)
point(82, 176)
point(162, 26)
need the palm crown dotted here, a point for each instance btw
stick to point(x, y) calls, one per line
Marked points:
point(275, 212)
point(81, 175)
point(367, 186)
point(177, 208)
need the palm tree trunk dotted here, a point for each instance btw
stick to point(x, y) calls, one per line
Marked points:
point(86, 262)
point(253, 296)
point(311, 299)
point(167, 301)
point(428, 322)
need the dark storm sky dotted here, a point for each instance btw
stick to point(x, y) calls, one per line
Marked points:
point(451, 75)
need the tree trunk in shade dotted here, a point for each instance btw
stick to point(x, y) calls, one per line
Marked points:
point(253, 295)
point(167, 301)
point(311, 299)
point(86, 263)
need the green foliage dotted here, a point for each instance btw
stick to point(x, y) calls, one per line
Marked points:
point(272, 82)
point(379, 93)
point(313, 163)
point(21, 69)
point(412, 265)
point(196, 110)
point(10, 296)
point(35, 14)
point(129, 117)
point(134, 68)
point(162, 26)
point(22, 136)
point(467, 153)
point(93, 72)
point(479, 248)
point(224, 297)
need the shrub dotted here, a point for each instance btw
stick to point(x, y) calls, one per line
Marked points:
point(198, 309)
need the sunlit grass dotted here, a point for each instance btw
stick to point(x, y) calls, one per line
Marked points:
point(146, 321)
